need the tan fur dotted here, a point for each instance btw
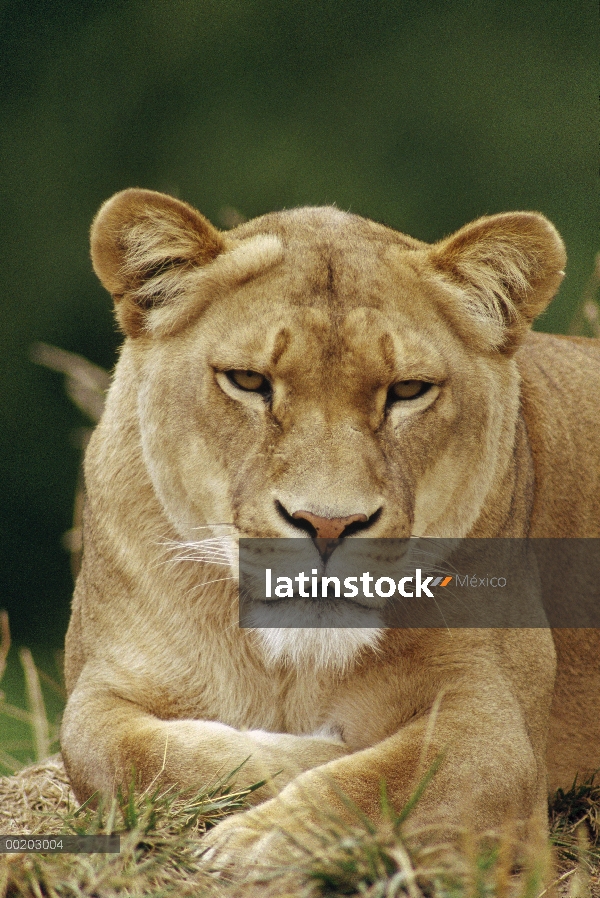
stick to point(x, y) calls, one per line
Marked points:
point(333, 309)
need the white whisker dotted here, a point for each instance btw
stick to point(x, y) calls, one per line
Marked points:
point(214, 550)
point(197, 586)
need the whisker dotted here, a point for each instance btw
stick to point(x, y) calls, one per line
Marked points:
point(215, 551)
point(209, 559)
point(208, 582)
point(184, 544)
point(210, 526)
point(193, 589)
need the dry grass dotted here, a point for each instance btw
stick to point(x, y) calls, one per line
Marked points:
point(161, 851)
point(159, 839)
point(30, 797)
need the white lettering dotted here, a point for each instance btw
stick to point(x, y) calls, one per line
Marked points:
point(325, 581)
point(391, 584)
point(286, 590)
point(407, 595)
point(301, 580)
point(365, 580)
point(422, 585)
point(350, 585)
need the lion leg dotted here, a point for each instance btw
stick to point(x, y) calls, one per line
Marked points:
point(104, 738)
point(488, 778)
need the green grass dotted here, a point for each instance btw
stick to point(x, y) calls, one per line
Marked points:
point(161, 854)
point(32, 697)
point(160, 836)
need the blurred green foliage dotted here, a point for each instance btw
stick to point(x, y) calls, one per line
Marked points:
point(421, 115)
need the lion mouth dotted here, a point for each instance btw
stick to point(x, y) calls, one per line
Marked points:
point(303, 612)
point(312, 602)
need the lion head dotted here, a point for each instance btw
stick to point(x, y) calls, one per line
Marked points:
point(314, 374)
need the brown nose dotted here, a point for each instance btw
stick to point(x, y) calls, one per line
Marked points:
point(328, 530)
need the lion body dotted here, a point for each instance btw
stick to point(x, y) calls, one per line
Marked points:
point(503, 442)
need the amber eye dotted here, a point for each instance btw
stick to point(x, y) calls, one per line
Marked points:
point(408, 389)
point(251, 381)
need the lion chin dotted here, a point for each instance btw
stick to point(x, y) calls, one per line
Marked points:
point(333, 648)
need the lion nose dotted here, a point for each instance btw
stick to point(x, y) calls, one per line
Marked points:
point(328, 528)
point(328, 532)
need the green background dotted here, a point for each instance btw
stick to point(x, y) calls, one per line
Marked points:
point(423, 115)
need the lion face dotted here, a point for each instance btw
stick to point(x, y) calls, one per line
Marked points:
point(312, 374)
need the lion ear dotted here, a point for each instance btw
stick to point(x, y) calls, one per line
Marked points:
point(503, 270)
point(143, 243)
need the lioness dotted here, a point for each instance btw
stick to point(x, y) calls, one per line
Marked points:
point(313, 374)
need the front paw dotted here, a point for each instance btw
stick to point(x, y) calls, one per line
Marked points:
point(258, 843)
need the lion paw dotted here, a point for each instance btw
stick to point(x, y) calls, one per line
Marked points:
point(250, 844)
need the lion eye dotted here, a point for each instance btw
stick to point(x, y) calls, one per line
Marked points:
point(408, 389)
point(251, 381)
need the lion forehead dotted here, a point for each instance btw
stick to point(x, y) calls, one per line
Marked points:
point(312, 225)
